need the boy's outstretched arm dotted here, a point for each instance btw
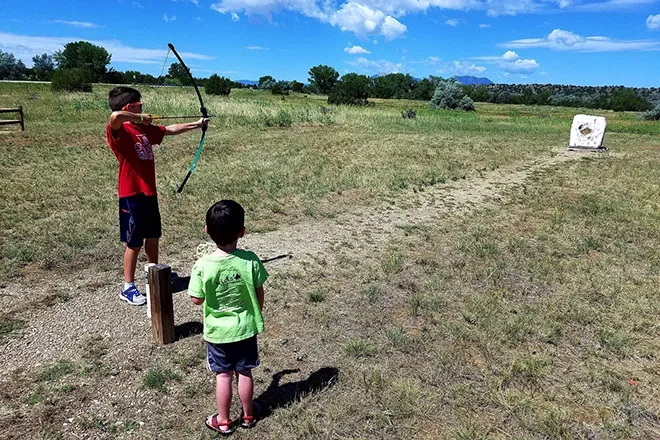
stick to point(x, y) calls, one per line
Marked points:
point(182, 128)
point(260, 296)
point(119, 117)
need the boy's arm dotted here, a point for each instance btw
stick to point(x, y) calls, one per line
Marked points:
point(182, 128)
point(119, 117)
point(260, 296)
point(197, 301)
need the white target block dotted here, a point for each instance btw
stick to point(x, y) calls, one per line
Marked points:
point(587, 132)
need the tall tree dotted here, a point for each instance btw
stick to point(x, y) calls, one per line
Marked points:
point(10, 67)
point(266, 82)
point(43, 67)
point(323, 78)
point(177, 71)
point(83, 55)
point(352, 89)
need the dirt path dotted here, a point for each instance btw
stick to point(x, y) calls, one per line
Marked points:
point(64, 331)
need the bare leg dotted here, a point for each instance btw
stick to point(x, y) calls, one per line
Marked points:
point(130, 261)
point(223, 382)
point(246, 391)
point(151, 248)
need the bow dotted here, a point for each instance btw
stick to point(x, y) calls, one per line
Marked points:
point(202, 109)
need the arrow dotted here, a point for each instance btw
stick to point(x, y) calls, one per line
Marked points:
point(154, 117)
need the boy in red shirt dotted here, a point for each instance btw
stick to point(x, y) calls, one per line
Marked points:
point(131, 137)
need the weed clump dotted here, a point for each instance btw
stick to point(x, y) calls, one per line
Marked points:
point(652, 115)
point(409, 113)
point(157, 378)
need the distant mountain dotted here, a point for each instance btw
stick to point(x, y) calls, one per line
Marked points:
point(473, 80)
point(247, 82)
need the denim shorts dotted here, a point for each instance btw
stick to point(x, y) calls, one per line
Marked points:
point(139, 218)
point(233, 356)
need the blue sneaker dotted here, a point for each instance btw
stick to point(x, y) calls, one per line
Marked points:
point(133, 296)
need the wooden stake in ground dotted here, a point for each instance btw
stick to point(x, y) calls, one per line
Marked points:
point(162, 309)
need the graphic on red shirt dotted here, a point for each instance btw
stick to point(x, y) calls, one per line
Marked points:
point(143, 148)
point(133, 147)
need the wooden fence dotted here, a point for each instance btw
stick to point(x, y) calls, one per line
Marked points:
point(18, 110)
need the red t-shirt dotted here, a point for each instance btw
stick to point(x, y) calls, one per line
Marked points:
point(132, 144)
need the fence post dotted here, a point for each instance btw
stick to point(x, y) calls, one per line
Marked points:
point(162, 309)
point(20, 111)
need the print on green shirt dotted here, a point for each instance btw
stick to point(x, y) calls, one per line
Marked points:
point(228, 286)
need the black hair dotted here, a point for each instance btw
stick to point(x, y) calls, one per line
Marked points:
point(120, 96)
point(224, 221)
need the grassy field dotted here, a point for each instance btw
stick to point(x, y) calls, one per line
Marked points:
point(534, 315)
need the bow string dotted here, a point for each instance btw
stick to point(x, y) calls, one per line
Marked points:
point(202, 110)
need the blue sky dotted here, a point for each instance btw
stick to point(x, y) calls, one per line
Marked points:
point(582, 42)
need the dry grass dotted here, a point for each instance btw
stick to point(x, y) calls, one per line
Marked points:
point(532, 316)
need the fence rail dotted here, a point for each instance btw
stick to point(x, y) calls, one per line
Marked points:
point(18, 110)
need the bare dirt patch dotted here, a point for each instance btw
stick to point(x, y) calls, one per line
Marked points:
point(107, 346)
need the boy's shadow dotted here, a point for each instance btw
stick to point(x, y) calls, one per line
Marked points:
point(180, 284)
point(278, 396)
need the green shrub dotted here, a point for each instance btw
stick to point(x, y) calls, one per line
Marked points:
point(652, 115)
point(449, 95)
point(218, 85)
point(71, 80)
point(280, 88)
point(352, 89)
point(627, 100)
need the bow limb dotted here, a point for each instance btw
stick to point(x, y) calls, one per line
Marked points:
point(202, 110)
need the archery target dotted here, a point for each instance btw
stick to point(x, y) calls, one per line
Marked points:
point(587, 132)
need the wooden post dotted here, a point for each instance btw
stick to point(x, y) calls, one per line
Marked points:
point(162, 309)
point(20, 111)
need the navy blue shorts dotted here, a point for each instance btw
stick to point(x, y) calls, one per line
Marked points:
point(139, 218)
point(233, 356)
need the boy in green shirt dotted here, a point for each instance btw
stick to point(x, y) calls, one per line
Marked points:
point(229, 283)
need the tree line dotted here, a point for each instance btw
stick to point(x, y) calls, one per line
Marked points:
point(80, 63)
point(617, 98)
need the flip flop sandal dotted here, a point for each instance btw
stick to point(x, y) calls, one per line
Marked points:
point(212, 423)
point(248, 422)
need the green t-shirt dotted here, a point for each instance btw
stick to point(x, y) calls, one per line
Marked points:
point(227, 284)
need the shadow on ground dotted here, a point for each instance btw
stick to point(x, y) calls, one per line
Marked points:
point(180, 284)
point(188, 329)
point(279, 396)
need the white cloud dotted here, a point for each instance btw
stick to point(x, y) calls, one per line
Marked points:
point(392, 28)
point(235, 17)
point(510, 56)
point(356, 50)
point(564, 40)
point(466, 68)
point(612, 5)
point(452, 22)
point(25, 47)
point(170, 18)
point(451, 68)
point(194, 2)
point(377, 67)
point(80, 24)
point(653, 22)
point(256, 48)
point(520, 66)
point(364, 21)
point(484, 26)
point(368, 18)
point(268, 7)
point(511, 62)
